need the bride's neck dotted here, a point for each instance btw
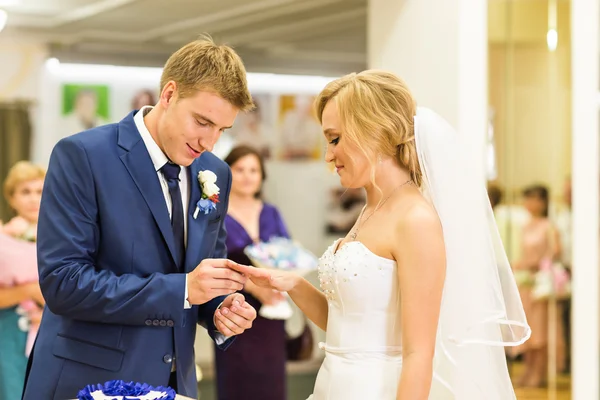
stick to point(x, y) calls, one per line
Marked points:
point(388, 177)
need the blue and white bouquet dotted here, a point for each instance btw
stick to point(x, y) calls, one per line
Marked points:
point(118, 389)
point(283, 254)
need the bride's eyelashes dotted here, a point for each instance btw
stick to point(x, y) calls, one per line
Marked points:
point(335, 141)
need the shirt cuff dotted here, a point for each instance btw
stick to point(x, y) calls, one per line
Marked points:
point(220, 338)
point(186, 303)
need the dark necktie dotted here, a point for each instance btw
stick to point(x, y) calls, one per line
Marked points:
point(171, 173)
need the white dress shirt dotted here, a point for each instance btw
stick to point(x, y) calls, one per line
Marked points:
point(159, 159)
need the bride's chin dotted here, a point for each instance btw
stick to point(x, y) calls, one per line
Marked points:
point(350, 185)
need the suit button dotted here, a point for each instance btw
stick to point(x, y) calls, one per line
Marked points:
point(170, 323)
point(163, 322)
point(148, 322)
point(156, 322)
point(167, 359)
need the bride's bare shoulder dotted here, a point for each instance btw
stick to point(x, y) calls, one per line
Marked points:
point(415, 215)
point(418, 235)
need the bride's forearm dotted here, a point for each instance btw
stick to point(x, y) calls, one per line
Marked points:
point(311, 301)
point(415, 379)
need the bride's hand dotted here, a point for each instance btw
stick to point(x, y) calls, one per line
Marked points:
point(282, 281)
point(266, 296)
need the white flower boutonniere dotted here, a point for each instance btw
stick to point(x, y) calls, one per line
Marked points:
point(210, 193)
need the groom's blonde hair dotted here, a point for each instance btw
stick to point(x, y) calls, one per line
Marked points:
point(205, 65)
point(377, 112)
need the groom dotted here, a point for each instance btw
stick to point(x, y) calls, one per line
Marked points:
point(131, 240)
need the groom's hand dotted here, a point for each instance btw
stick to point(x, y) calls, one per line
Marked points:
point(234, 316)
point(213, 278)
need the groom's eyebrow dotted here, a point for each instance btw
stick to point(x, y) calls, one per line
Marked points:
point(196, 115)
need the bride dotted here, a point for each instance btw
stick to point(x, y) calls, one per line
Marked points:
point(418, 301)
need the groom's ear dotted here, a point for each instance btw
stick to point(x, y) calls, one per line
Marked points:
point(169, 93)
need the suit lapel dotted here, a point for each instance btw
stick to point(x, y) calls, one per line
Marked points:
point(139, 165)
point(196, 227)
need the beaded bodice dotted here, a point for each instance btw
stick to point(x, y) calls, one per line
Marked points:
point(363, 298)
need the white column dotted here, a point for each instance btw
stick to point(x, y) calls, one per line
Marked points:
point(440, 49)
point(585, 18)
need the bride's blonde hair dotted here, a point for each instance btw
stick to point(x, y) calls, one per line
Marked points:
point(377, 110)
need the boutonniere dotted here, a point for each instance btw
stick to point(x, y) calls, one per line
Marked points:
point(210, 192)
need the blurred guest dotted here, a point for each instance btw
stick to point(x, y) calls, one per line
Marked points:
point(143, 98)
point(562, 217)
point(253, 368)
point(510, 219)
point(251, 131)
point(20, 304)
point(539, 243)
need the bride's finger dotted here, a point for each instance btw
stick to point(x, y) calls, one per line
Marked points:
point(264, 281)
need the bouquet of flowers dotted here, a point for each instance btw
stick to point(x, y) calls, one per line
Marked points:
point(282, 253)
point(18, 265)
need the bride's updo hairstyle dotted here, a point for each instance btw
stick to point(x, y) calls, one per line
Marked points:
point(376, 109)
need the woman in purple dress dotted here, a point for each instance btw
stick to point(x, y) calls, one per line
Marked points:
point(253, 368)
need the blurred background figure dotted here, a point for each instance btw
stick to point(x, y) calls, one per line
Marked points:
point(85, 113)
point(561, 216)
point(143, 98)
point(540, 243)
point(254, 366)
point(510, 219)
point(21, 300)
point(250, 130)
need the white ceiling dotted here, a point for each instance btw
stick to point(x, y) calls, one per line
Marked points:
point(325, 37)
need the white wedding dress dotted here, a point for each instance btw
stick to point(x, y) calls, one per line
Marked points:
point(480, 313)
point(363, 346)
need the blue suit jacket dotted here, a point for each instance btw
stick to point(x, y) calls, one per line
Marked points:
point(115, 298)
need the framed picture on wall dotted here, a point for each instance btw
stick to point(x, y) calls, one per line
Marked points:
point(83, 107)
point(300, 132)
point(255, 128)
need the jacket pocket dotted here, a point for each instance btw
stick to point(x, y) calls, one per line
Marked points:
point(88, 353)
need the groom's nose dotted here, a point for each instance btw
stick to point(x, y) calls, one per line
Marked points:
point(210, 139)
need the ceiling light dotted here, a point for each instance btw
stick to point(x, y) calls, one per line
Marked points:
point(52, 64)
point(552, 35)
point(552, 39)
